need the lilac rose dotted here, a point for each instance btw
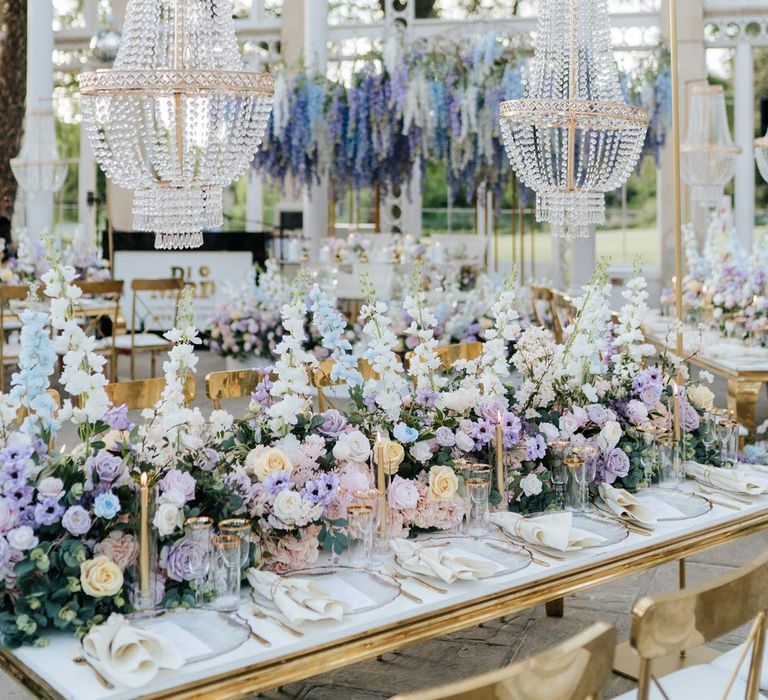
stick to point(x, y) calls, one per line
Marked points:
point(403, 494)
point(334, 423)
point(445, 437)
point(179, 560)
point(615, 464)
point(637, 412)
point(690, 416)
point(76, 521)
point(177, 486)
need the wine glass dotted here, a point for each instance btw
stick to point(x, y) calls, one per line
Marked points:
point(585, 474)
point(559, 472)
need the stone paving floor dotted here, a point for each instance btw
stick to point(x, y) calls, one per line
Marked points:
point(495, 644)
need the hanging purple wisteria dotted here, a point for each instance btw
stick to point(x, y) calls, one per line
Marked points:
point(429, 106)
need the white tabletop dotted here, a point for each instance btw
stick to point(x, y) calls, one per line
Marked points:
point(74, 682)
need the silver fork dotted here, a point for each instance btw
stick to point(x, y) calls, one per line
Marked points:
point(79, 658)
point(256, 611)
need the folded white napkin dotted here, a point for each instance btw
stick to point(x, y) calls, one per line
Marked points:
point(728, 479)
point(128, 655)
point(299, 599)
point(448, 563)
point(553, 530)
point(625, 505)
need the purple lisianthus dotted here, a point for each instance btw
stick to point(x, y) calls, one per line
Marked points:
point(535, 448)
point(647, 384)
point(21, 496)
point(5, 554)
point(615, 464)
point(48, 511)
point(108, 468)
point(426, 397)
point(491, 411)
point(179, 559)
point(334, 423)
point(511, 427)
point(597, 413)
point(178, 486)
point(209, 459)
point(322, 490)
point(444, 436)
point(117, 418)
point(76, 521)
point(276, 482)
point(15, 470)
point(637, 412)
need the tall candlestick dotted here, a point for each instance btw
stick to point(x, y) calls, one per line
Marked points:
point(500, 460)
point(144, 536)
point(381, 484)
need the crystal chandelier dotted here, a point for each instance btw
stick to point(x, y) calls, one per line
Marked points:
point(708, 156)
point(177, 118)
point(38, 168)
point(572, 137)
point(761, 155)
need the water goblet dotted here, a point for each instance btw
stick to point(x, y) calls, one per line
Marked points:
point(669, 462)
point(360, 531)
point(197, 531)
point(585, 473)
point(225, 573)
point(479, 491)
point(560, 449)
point(240, 528)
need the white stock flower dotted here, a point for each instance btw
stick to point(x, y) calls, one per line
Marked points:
point(531, 485)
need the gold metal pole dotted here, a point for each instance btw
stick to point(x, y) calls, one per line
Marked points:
point(674, 66)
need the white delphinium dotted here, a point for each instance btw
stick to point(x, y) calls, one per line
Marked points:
point(290, 391)
point(589, 337)
point(538, 358)
point(331, 325)
point(172, 428)
point(82, 375)
point(424, 361)
point(630, 347)
point(386, 386)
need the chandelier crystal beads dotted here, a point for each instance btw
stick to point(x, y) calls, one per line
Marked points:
point(708, 156)
point(572, 137)
point(177, 118)
point(38, 168)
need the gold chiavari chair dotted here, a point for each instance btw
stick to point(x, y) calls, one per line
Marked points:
point(145, 393)
point(320, 378)
point(575, 669)
point(675, 622)
point(231, 384)
point(22, 413)
point(9, 323)
point(563, 314)
point(136, 341)
point(102, 300)
point(541, 302)
point(450, 354)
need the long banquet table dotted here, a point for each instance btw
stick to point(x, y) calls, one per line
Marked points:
point(50, 673)
point(745, 368)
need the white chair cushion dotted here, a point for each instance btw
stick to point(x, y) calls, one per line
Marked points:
point(103, 344)
point(11, 353)
point(695, 683)
point(140, 340)
point(728, 660)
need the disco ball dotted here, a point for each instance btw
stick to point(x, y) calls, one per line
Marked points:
point(104, 45)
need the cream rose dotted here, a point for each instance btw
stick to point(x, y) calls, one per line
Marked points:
point(100, 577)
point(167, 518)
point(394, 454)
point(288, 507)
point(262, 463)
point(443, 483)
point(609, 436)
point(701, 397)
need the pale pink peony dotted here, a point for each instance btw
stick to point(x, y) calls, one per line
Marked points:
point(289, 553)
point(119, 547)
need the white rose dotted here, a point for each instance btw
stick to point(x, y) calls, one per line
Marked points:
point(342, 450)
point(51, 486)
point(549, 431)
point(531, 485)
point(287, 506)
point(262, 462)
point(464, 442)
point(701, 397)
point(167, 518)
point(460, 400)
point(569, 424)
point(421, 451)
point(359, 447)
point(22, 538)
point(609, 436)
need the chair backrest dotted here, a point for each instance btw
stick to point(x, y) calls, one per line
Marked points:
point(674, 622)
point(145, 393)
point(110, 292)
point(23, 412)
point(8, 293)
point(575, 669)
point(161, 284)
point(449, 354)
point(320, 378)
point(563, 314)
point(541, 301)
point(232, 384)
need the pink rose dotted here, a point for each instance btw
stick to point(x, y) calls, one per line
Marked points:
point(403, 494)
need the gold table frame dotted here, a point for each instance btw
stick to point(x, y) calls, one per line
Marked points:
point(743, 385)
point(348, 650)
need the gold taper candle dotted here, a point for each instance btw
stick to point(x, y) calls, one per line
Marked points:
point(381, 482)
point(144, 535)
point(500, 458)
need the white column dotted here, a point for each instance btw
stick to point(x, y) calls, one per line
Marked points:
point(86, 182)
point(254, 202)
point(39, 207)
point(583, 258)
point(744, 132)
point(316, 61)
